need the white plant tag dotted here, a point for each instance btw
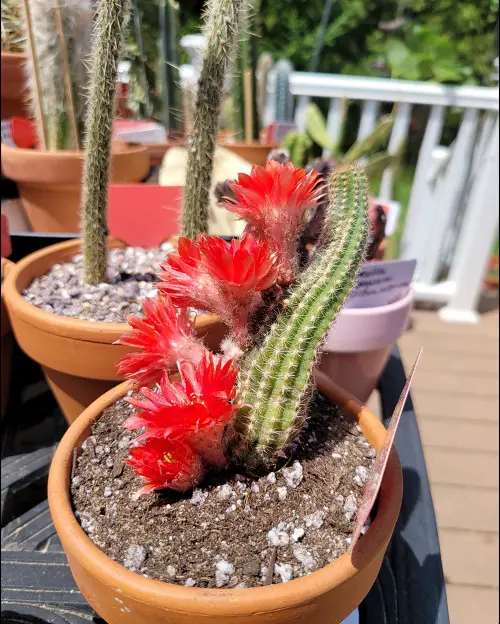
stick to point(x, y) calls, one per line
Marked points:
point(382, 282)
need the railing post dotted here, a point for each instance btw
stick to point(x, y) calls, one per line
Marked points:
point(414, 237)
point(476, 238)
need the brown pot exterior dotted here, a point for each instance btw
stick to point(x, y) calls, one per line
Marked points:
point(49, 183)
point(13, 90)
point(254, 153)
point(78, 357)
point(6, 334)
point(326, 596)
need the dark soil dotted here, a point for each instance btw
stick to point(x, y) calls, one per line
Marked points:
point(234, 530)
point(131, 276)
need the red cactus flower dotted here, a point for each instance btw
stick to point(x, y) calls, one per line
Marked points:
point(166, 464)
point(223, 278)
point(164, 335)
point(273, 200)
point(194, 410)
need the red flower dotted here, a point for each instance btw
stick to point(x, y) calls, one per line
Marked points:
point(273, 200)
point(224, 278)
point(164, 335)
point(194, 410)
point(165, 464)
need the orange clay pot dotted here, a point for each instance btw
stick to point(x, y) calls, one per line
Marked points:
point(326, 596)
point(7, 266)
point(255, 153)
point(14, 97)
point(77, 357)
point(49, 183)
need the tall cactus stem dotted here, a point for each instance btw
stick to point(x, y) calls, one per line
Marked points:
point(221, 28)
point(112, 18)
point(277, 380)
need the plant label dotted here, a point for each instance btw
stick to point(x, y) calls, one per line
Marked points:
point(379, 465)
point(382, 282)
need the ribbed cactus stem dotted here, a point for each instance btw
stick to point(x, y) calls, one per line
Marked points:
point(277, 380)
point(112, 18)
point(221, 28)
point(283, 96)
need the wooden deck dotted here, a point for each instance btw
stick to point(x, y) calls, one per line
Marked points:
point(455, 393)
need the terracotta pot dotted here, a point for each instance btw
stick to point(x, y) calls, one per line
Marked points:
point(49, 183)
point(14, 101)
point(7, 266)
point(359, 344)
point(254, 153)
point(77, 357)
point(326, 596)
point(490, 279)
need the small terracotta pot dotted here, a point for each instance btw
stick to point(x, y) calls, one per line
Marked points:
point(7, 266)
point(49, 183)
point(254, 153)
point(359, 344)
point(14, 101)
point(326, 596)
point(77, 357)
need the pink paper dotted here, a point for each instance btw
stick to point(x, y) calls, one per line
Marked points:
point(379, 465)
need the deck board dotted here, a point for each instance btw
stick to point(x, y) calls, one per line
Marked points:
point(455, 394)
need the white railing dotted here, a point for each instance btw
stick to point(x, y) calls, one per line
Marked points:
point(452, 217)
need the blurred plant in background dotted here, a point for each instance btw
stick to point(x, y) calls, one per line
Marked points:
point(12, 28)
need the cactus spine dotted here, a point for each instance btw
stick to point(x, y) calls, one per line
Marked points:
point(283, 96)
point(222, 25)
point(60, 32)
point(277, 382)
point(112, 18)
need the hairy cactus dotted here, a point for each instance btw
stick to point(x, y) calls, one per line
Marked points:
point(277, 379)
point(112, 18)
point(169, 63)
point(57, 74)
point(221, 28)
point(264, 66)
point(284, 99)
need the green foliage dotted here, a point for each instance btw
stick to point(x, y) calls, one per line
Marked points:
point(316, 127)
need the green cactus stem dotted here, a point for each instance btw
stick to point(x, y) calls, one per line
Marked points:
point(221, 28)
point(59, 34)
point(283, 97)
point(277, 380)
point(112, 18)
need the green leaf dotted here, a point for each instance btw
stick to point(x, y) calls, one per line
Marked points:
point(316, 127)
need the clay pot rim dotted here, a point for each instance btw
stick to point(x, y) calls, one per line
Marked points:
point(13, 55)
point(209, 601)
point(252, 144)
point(383, 309)
point(98, 331)
point(7, 266)
point(27, 153)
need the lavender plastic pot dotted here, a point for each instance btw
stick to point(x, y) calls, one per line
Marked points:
point(358, 345)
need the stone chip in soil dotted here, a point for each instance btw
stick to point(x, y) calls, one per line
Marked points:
point(131, 277)
point(228, 531)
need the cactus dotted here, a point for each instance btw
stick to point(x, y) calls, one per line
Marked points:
point(57, 74)
point(283, 97)
point(169, 63)
point(276, 382)
point(12, 28)
point(112, 18)
point(298, 145)
point(223, 19)
point(264, 66)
